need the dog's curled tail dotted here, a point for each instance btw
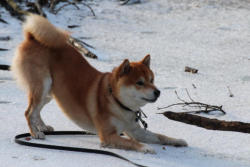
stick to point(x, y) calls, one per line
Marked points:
point(44, 32)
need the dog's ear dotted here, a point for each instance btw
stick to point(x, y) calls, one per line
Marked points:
point(146, 60)
point(124, 68)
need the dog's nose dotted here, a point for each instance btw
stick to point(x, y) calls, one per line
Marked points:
point(157, 93)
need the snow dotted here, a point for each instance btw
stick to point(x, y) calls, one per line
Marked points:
point(212, 36)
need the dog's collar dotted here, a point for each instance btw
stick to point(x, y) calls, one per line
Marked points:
point(118, 101)
point(122, 105)
point(138, 114)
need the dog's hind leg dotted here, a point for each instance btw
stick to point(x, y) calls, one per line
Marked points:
point(39, 95)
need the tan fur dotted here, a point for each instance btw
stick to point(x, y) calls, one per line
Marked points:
point(44, 32)
point(48, 68)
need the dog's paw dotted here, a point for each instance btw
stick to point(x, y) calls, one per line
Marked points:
point(106, 145)
point(49, 128)
point(38, 135)
point(180, 143)
point(147, 149)
point(44, 128)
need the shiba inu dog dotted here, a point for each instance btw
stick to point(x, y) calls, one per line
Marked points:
point(47, 66)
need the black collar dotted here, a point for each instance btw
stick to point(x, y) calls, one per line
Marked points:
point(122, 105)
point(138, 114)
point(118, 101)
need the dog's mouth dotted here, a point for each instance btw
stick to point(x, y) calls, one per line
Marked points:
point(149, 100)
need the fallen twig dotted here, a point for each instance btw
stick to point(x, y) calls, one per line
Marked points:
point(3, 21)
point(7, 38)
point(52, 5)
point(78, 44)
point(190, 69)
point(2, 49)
point(73, 26)
point(39, 8)
point(92, 11)
point(125, 2)
point(4, 67)
point(194, 86)
point(198, 106)
point(230, 93)
point(13, 8)
point(74, 4)
point(68, 3)
point(207, 123)
point(83, 43)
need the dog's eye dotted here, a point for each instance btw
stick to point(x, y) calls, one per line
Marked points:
point(152, 81)
point(140, 83)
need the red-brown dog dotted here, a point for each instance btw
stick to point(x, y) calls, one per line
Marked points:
point(105, 103)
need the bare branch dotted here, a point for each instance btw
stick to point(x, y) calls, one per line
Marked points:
point(4, 67)
point(69, 3)
point(203, 108)
point(189, 95)
point(3, 21)
point(230, 93)
point(79, 45)
point(92, 11)
point(125, 2)
point(178, 96)
point(39, 8)
point(2, 49)
point(190, 69)
point(194, 86)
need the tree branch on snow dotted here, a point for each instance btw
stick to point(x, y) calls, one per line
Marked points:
point(4, 67)
point(3, 49)
point(13, 8)
point(53, 4)
point(79, 45)
point(36, 7)
point(68, 3)
point(39, 8)
point(190, 69)
point(6, 38)
point(196, 107)
point(230, 92)
point(207, 123)
point(125, 2)
point(92, 11)
point(55, 11)
point(3, 21)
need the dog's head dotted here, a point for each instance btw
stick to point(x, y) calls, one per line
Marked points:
point(134, 83)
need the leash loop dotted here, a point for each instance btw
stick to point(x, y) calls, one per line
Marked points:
point(66, 148)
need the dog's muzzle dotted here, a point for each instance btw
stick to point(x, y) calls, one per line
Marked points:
point(156, 95)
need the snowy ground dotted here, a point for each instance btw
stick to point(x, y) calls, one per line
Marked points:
point(211, 35)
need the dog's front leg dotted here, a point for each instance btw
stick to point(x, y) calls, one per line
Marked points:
point(116, 141)
point(149, 137)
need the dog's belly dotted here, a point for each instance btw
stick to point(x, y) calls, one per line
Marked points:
point(74, 87)
point(77, 114)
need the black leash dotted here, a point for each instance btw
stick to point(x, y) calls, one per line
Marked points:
point(65, 148)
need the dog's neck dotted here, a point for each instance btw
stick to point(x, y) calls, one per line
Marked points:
point(138, 113)
point(119, 102)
